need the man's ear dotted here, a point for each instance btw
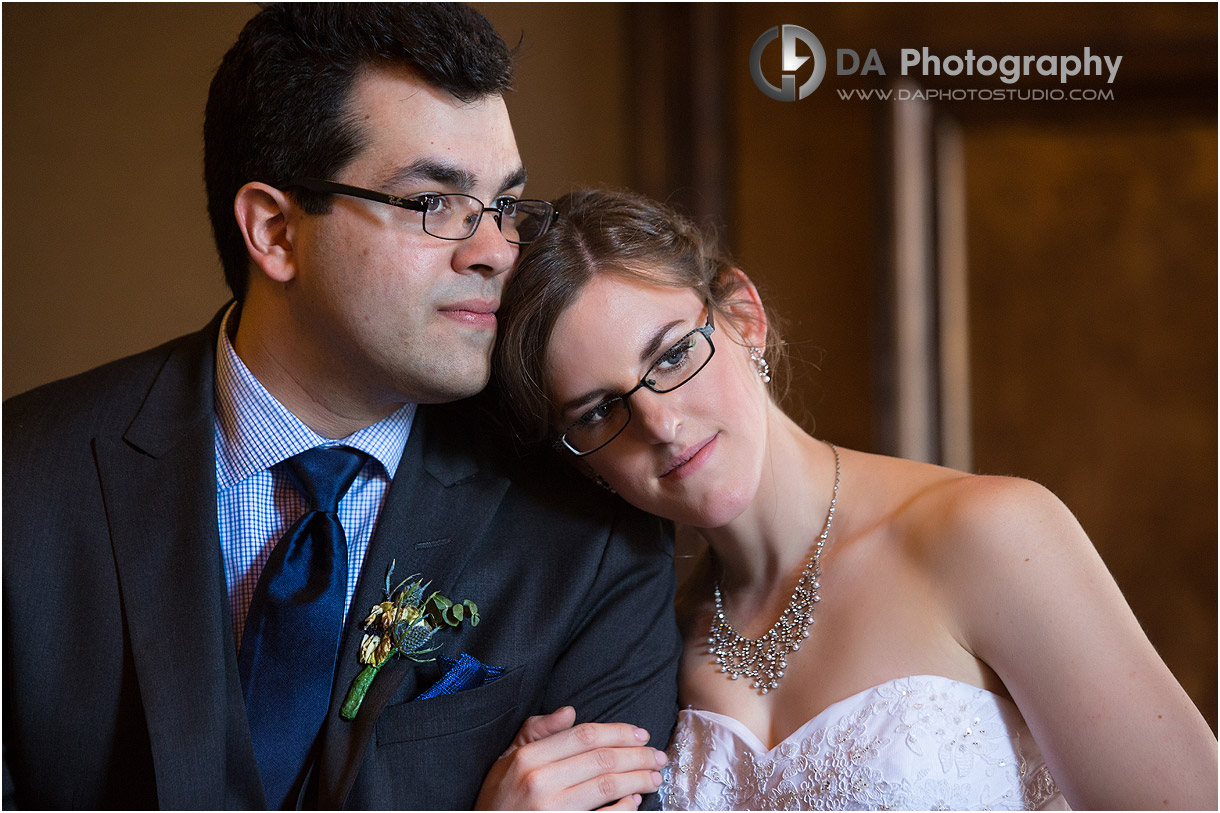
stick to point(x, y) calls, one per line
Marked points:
point(264, 216)
point(745, 308)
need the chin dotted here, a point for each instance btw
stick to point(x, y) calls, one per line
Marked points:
point(714, 508)
point(454, 386)
point(717, 516)
point(458, 393)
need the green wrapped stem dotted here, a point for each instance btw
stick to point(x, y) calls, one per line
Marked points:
point(355, 695)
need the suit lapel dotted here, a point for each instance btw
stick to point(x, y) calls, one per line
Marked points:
point(159, 487)
point(438, 507)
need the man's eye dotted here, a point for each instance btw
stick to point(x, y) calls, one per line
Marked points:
point(431, 203)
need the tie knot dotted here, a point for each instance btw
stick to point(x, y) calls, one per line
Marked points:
point(325, 474)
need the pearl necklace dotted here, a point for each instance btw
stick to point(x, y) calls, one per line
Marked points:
point(765, 659)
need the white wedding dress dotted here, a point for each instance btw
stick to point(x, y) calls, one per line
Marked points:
point(915, 743)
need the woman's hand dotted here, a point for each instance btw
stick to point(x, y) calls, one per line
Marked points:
point(553, 764)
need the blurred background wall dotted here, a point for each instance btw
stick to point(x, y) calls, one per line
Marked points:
point(1013, 287)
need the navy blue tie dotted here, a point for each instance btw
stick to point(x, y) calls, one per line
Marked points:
point(287, 657)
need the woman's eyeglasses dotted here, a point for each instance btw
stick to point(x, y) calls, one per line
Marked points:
point(606, 421)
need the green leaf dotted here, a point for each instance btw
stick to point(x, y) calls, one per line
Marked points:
point(438, 605)
point(472, 612)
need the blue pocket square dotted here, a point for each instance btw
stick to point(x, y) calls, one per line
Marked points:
point(464, 673)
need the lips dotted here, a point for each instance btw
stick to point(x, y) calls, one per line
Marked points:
point(690, 460)
point(474, 312)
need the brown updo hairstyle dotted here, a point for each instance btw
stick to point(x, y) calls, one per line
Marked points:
point(599, 232)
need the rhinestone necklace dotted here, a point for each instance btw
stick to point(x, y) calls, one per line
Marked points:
point(765, 659)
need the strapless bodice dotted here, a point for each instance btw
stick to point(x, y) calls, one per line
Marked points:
point(915, 743)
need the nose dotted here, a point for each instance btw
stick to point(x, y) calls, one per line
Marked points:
point(658, 415)
point(486, 251)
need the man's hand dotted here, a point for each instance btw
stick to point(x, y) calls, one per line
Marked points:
point(553, 765)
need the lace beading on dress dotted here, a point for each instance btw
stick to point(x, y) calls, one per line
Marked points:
point(916, 743)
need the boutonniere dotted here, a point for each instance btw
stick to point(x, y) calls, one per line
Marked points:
point(403, 626)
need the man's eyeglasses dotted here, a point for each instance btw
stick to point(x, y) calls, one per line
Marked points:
point(606, 421)
point(455, 216)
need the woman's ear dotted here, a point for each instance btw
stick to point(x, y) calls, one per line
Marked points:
point(264, 216)
point(746, 313)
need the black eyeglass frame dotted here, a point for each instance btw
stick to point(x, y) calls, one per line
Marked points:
point(419, 203)
point(707, 330)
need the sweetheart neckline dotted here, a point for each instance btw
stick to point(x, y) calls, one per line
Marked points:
point(756, 744)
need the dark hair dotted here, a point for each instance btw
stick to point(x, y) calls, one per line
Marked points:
point(599, 232)
point(277, 105)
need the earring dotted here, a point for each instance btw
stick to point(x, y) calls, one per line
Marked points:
point(760, 363)
point(601, 481)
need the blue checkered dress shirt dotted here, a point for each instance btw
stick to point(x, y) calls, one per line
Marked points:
point(256, 504)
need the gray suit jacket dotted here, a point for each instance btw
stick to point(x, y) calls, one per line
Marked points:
point(120, 675)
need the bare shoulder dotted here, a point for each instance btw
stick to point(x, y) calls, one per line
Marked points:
point(973, 538)
point(994, 547)
point(937, 513)
point(985, 511)
point(1016, 582)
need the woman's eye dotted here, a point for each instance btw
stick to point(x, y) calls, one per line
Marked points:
point(676, 355)
point(598, 413)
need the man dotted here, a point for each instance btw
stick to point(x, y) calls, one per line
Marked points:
point(186, 579)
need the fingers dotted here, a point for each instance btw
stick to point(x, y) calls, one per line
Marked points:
point(544, 725)
point(558, 766)
point(621, 786)
point(631, 802)
point(588, 737)
point(608, 769)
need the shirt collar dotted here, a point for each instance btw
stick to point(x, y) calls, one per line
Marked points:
point(254, 431)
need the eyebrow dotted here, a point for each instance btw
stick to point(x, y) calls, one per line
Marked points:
point(658, 339)
point(517, 177)
point(650, 350)
point(596, 396)
point(449, 175)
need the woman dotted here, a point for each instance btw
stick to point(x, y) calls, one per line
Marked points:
point(971, 650)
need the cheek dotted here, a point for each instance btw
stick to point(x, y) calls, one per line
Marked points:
point(740, 396)
point(731, 401)
point(335, 278)
point(622, 468)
